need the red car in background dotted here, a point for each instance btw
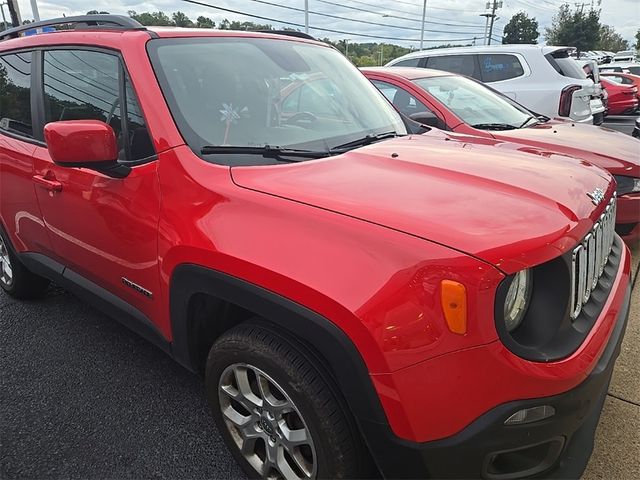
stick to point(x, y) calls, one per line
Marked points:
point(463, 105)
point(623, 99)
point(627, 79)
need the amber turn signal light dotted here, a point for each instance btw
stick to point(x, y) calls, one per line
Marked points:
point(454, 306)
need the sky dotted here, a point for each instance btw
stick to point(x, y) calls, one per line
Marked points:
point(449, 21)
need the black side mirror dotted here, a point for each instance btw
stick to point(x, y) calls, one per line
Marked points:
point(429, 119)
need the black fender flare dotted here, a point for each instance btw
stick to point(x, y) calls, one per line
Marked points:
point(342, 356)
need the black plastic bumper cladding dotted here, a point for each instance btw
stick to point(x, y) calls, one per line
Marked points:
point(472, 452)
point(547, 332)
point(320, 334)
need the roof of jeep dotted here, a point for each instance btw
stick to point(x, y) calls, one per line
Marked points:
point(64, 36)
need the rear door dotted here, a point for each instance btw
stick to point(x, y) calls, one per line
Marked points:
point(101, 228)
point(19, 210)
point(462, 64)
point(503, 71)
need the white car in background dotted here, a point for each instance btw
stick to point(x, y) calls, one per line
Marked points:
point(625, 56)
point(621, 67)
point(544, 79)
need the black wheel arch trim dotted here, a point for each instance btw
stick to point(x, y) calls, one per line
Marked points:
point(343, 358)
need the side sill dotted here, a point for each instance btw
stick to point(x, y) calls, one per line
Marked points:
point(98, 297)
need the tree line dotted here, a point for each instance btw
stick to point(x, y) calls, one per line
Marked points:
point(575, 27)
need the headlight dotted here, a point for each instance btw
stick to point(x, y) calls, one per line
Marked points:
point(627, 185)
point(517, 299)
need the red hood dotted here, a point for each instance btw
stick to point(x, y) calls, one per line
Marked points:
point(614, 151)
point(476, 195)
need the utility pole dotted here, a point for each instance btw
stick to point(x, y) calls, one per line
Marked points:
point(493, 5)
point(486, 26)
point(34, 9)
point(306, 16)
point(14, 12)
point(424, 14)
point(4, 19)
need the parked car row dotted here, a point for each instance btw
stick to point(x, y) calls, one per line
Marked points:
point(363, 294)
point(621, 67)
point(545, 79)
point(602, 57)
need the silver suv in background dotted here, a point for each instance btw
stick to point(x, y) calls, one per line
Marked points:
point(544, 79)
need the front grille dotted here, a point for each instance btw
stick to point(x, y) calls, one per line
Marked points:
point(590, 258)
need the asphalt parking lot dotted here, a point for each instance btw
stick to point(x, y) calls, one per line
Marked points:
point(83, 397)
point(622, 123)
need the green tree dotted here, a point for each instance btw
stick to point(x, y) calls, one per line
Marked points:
point(610, 40)
point(521, 29)
point(205, 22)
point(251, 26)
point(180, 19)
point(638, 39)
point(149, 19)
point(578, 29)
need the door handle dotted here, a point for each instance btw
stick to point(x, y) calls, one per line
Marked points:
point(48, 184)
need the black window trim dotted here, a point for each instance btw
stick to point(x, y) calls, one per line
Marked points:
point(37, 93)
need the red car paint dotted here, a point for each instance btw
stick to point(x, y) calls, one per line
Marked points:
point(601, 146)
point(623, 99)
point(630, 79)
point(363, 239)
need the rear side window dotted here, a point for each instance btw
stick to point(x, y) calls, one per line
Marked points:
point(635, 70)
point(15, 94)
point(461, 64)
point(85, 85)
point(565, 65)
point(497, 67)
point(409, 62)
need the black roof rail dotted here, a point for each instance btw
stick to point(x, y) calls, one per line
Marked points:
point(290, 33)
point(83, 21)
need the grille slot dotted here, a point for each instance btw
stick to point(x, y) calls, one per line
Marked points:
point(590, 258)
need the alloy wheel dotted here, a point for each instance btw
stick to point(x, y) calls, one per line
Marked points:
point(6, 272)
point(265, 424)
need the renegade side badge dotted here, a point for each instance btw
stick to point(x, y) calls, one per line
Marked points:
point(137, 288)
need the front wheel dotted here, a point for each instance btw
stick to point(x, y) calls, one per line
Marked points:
point(278, 413)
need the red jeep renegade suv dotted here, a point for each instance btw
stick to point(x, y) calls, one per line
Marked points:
point(354, 295)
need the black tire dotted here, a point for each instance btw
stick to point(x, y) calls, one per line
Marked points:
point(23, 284)
point(336, 450)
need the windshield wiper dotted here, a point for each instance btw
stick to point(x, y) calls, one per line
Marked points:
point(266, 151)
point(494, 126)
point(366, 140)
point(529, 118)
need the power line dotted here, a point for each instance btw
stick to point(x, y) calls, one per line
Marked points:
point(461, 25)
point(532, 5)
point(269, 19)
point(367, 22)
point(437, 8)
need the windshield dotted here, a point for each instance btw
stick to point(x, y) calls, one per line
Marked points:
point(474, 103)
point(252, 92)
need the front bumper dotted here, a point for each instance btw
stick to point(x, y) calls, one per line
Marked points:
point(557, 447)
